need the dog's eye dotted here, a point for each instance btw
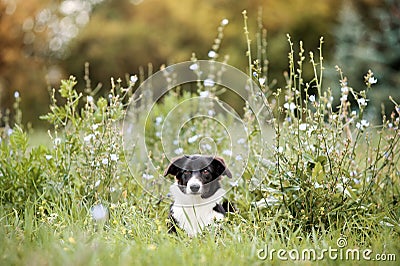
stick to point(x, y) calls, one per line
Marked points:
point(205, 172)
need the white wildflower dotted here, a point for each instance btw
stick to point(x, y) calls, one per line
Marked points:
point(204, 94)
point(147, 176)
point(89, 137)
point(289, 106)
point(384, 223)
point(209, 82)
point(345, 89)
point(95, 126)
point(16, 94)
point(212, 54)
point(99, 212)
point(224, 22)
point(227, 152)
point(317, 185)
point(114, 157)
point(48, 157)
point(97, 183)
point(159, 119)
point(372, 80)
point(262, 80)
point(193, 139)
point(303, 126)
point(178, 151)
point(104, 161)
point(89, 99)
point(134, 78)
point(312, 98)
point(206, 147)
point(343, 98)
point(194, 66)
point(234, 183)
point(57, 141)
point(239, 157)
point(241, 141)
point(362, 124)
point(362, 102)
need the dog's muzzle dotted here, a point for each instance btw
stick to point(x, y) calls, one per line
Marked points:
point(194, 188)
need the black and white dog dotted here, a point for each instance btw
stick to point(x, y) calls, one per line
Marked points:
point(197, 192)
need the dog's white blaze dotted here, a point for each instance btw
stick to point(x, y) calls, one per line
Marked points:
point(193, 213)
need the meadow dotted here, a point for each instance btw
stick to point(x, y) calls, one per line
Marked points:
point(326, 189)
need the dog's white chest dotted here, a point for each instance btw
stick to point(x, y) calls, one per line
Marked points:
point(194, 219)
point(192, 213)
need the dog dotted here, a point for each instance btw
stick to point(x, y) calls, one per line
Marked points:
point(197, 192)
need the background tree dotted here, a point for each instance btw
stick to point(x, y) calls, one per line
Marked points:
point(17, 55)
point(34, 36)
point(44, 41)
point(370, 41)
point(123, 35)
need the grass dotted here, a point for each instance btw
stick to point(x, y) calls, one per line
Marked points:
point(143, 241)
point(330, 183)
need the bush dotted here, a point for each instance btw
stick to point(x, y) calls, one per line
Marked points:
point(331, 166)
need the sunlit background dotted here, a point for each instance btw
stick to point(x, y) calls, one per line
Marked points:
point(44, 41)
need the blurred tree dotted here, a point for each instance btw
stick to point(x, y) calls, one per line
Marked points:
point(370, 41)
point(42, 41)
point(123, 35)
point(17, 62)
point(34, 35)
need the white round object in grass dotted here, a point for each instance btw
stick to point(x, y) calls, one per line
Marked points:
point(99, 212)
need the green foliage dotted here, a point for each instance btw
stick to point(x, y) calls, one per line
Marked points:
point(23, 176)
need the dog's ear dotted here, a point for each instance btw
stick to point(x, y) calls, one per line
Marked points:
point(220, 167)
point(172, 169)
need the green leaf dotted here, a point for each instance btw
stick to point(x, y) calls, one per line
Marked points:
point(67, 86)
point(322, 159)
point(318, 173)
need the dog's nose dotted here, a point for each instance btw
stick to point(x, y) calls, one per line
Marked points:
point(194, 187)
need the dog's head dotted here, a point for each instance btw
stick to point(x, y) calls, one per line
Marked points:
point(198, 174)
